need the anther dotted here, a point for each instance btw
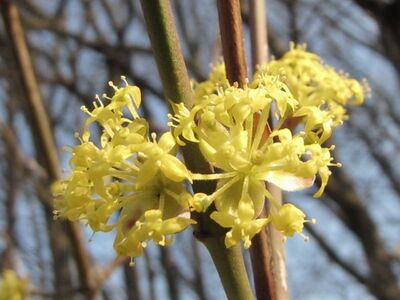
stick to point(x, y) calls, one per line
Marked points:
point(110, 83)
point(132, 262)
point(154, 136)
point(91, 237)
point(306, 238)
point(123, 78)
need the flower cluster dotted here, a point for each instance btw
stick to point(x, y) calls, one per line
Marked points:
point(131, 178)
point(322, 92)
point(12, 287)
point(248, 135)
point(133, 182)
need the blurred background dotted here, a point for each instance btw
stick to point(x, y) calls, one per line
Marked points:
point(77, 46)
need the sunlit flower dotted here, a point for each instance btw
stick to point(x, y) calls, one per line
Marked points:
point(288, 219)
point(131, 182)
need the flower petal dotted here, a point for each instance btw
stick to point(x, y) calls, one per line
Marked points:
point(289, 182)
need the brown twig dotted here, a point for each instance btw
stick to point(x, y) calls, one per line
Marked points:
point(261, 249)
point(132, 280)
point(267, 251)
point(230, 25)
point(107, 271)
point(258, 33)
point(42, 130)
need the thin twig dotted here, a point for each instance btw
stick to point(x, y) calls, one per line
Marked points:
point(258, 33)
point(261, 249)
point(230, 26)
point(42, 129)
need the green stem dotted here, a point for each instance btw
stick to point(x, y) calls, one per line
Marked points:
point(167, 51)
point(231, 269)
point(177, 88)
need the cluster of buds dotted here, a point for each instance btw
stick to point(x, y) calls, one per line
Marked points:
point(272, 130)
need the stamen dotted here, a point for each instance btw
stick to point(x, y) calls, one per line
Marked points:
point(224, 188)
point(215, 176)
point(154, 137)
point(162, 242)
point(312, 221)
point(56, 215)
point(124, 80)
point(305, 237)
point(99, 100)
point(132, 262)
point(91, 237)
point(110, 83)
point(105, 97)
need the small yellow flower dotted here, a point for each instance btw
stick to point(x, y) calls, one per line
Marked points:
point(316, 86)
point(239, 213)
point(288, 219)
point(132, 239)
point(158, 158)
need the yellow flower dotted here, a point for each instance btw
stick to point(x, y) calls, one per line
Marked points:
point(131, 176)
point(217, 79)
point(131, 241)
point(158, 158)
point(288, 219)
point(241, 228)
point(237, 208)
point(152, 213)
point(316, 86)
point(232, 127)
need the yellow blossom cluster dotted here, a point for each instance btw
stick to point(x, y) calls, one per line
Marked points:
point(322, 92)
point(130, 182)
point(248, 135)
point(12, 287)
point(133, 182)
